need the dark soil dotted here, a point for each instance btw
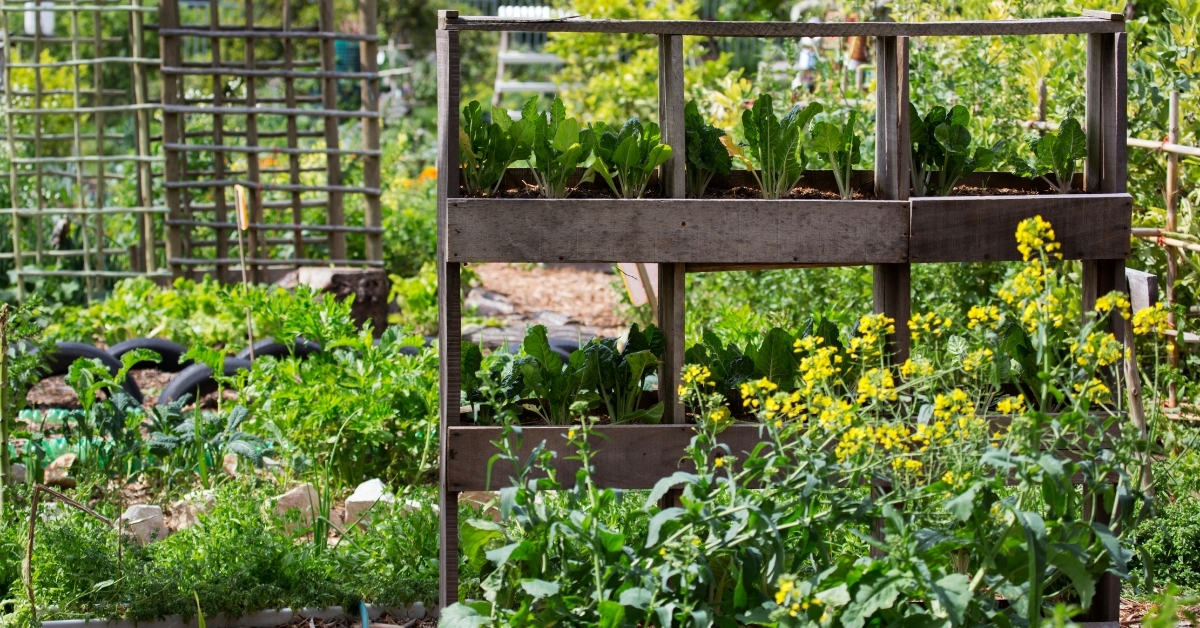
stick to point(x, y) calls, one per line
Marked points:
point(530, 190)
point(354, 622)
point(963, 190)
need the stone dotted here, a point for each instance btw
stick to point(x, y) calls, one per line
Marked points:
point(361, 503)
point(58, 473)
point(487, 303)
point(16, 473)
point(305, 500)
point(145, 523)
point(487, 501)
point(186, 512)
point(229, 464)
point(370, 287)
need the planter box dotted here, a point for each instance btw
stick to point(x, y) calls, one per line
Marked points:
point(262, 619)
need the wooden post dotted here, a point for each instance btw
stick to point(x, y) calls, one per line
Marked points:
point(671, 277)
point(220, 209)
point(1104, 171)
point(142, 134)
point(293, 137)
point(333, 162)
point(373, 212)
point(449, 295)
point(892, 282)
point(1172, 194)
point(169, 45)
point(256, 239)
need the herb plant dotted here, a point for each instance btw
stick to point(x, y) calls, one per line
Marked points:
point(488, 149)
point(630, 155)
point(941, 150)
point(706, 154)
point(619, 376)
point(775, 145)
point(559, 146)
point(838, 146)
point(1058, 154)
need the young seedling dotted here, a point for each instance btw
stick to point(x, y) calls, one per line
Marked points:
point(558, 146)
point(1057, 154)
point(839, 146)
point(706, 155)
point(633, 153)
point(774, 145)
point(941, 150)
point(486, 150)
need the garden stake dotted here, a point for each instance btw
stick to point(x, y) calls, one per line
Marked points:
point(243, 218)
point(27, 564)
point(4, 461)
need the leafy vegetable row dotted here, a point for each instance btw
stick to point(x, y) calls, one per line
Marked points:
point(776, 151)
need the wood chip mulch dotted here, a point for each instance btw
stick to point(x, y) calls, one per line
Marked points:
point(584, 296)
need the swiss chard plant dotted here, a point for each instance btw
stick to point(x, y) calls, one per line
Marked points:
point(628, 155)
point(941, 150)
point(618, 376)
point(559, 146)
point(706, 155)
point(839, 146)
point(1057, 154)
point(487, 149)
point(775, 145)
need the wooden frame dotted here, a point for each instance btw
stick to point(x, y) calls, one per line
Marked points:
point(684, 235)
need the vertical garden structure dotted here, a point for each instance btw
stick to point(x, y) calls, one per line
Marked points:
point(269, 117)
point(889, 232)
point(78, 124)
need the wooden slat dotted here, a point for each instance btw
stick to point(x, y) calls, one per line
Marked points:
point(891, 284)
point(624, 456)
point(1093, 126)
point(671, 277)
point(1044, 26)
point(677, 230)
point(449, 297)
point(671, 319)
point(1143, 289)
point(982, 228)
point(168, 15)
point(368, 49)
point(329, 98)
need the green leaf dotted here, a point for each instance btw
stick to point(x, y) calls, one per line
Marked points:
point(462, 616)
point(953, 593)
point(1076, 570)
point(537, 345)
point(774, 359)
point(566, 135)
point(636, 597)
point(612, 614)
point(963, 504)
point(660, 519)
point(472, 361)
point(539, 589)
point(477, 534)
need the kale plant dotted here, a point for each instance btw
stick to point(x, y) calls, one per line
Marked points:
point(775, 145)
point(706, 154)
point(619, 376)
point(486, 150)
point(941, 144)
point(1058, 154)
point(559, 146)
point(630, 155)
point(838, 146)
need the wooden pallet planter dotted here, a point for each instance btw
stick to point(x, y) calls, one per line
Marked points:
point(886, 229)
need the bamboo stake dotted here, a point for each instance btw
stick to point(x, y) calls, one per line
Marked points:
point(1172, 220)
point(27, 563)
point(243, 217)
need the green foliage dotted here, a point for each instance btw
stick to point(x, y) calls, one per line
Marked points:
point(417, 298)
point(178, 438)
point(488, 149)
point(557, 147)
point(633, 153)
point(706, 155)
point(772, 357)
point(106, 432)
point(1057, 154)
point(618, 377)
point(1169, 544)
point(941, 143)
point(775, 145)
point(839, 146)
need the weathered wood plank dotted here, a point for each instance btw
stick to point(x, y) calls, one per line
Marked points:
point(1143, 289)
point(449, 297)
point(1045, 26)
point(677, 231)
point(671, 319)
point(671, 277)
point(982, 228)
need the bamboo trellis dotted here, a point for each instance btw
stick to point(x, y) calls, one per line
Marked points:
point(269, 118)
point(77, 139)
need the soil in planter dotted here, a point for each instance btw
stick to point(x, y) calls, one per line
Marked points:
point(355, 622)
point(530, 190)
point(798, 193)
point(964, 190)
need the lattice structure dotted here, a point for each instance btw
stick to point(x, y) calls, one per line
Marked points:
point(260, 105)
point(77, 116)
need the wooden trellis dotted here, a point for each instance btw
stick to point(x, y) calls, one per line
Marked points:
point(268, 120)
point(889, 232)
point(72, 143)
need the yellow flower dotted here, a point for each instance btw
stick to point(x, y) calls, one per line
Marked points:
point(1011, 405)
point(719, 462)
point(1036, 235)
point(1151, 320)
point(571, 434)
point(1113, 301)
point(981, 315)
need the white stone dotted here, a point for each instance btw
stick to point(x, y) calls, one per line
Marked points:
point(145, 523)
point(16, 473)
point(362, 502)
point(229, 464)
point(306, 500)
point(186, 512)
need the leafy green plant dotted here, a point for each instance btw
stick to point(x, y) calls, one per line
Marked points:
point(488, 149)
point(558, 146)
point(106, 432)
point(941, 144)
point(17, 372)
point(633, 152)
point(706, 154)
point(200, 436)
point(1058, 154)
point(619, 376)
point(775, 145)
point(839, 146)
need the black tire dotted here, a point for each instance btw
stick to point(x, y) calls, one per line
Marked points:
point(172, 353)
point(197, 380)
point(268, 346)
point(59, 363)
